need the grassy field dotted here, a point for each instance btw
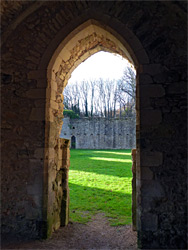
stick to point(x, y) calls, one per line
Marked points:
point(100, 182)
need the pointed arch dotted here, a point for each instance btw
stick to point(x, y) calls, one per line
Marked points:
point(87, 39)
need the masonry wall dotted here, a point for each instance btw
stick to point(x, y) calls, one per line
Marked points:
point(155, 34)
point(101, 133)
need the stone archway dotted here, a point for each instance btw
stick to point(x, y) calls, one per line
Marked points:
point(154, 34)
point(87, 39)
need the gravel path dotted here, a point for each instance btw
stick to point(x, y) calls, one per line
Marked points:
point(95, 235)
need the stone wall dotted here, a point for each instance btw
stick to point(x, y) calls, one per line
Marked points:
point(134, 189)
point(100, 133)
point(42, 42)
point(58, 210)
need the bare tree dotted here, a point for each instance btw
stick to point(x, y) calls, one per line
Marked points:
point(92, 86)
point(128, 83)
point(101, 97)
point(127, 90)
point(84, 90)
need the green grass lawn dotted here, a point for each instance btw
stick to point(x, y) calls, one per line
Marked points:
point(100, 182)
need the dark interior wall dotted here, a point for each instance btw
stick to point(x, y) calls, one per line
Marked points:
point(161, 28)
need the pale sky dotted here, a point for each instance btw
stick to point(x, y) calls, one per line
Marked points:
point(100, 65)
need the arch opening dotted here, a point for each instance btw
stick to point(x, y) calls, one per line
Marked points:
point(83, 42)
point(91, 138)
point(73, 142)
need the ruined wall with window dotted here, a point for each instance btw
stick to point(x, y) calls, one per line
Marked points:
point(101, 133)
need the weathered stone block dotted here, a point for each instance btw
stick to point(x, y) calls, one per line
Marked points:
point(51, 94)
point(152, 69)
point(145, 102)
point(145, 79)
point(50, 115)
point(160, 78)
point(42, 83)
point(34, 189)
point(54, 105)
point(37, 114)
point(147, 204)
point(150, 223)
point(152, 188)
point(152, 90)
point(150, 159)
point(146, 173)
point(36, 93)
point(51, 153)
point(40, 103)
point(177, 88)
point(37, 74)
point(150, 117)
point(39, 153)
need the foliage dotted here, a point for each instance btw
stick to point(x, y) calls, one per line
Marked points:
point(100, 182)
point(70, 113)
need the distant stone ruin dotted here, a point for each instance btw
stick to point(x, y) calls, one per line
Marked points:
point(100, 133)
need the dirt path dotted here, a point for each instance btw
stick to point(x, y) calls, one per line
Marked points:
point(96, 235)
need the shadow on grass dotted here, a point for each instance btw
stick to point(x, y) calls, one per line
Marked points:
point(86, 201)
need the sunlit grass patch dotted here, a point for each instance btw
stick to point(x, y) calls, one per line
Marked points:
point(111, 152)
point(109, 159)
point(100, 185)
